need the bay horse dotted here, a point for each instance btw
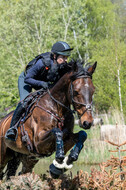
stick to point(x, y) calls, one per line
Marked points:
point(49, 127)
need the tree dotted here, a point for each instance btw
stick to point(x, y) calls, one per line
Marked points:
point(31, 27)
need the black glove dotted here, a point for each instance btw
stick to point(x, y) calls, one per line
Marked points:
point(44, 85)
point(50, 84)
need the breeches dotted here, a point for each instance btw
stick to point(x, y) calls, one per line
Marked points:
point(24, 89)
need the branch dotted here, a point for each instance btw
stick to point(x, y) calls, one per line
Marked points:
point(75, 37)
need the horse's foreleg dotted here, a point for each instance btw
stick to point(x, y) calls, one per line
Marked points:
point(70, 141)
point(59, 145)
point(73, 156)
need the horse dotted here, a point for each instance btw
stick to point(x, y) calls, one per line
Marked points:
point(49, 125)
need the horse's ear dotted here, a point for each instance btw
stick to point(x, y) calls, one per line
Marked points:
point(92, 68)
point(73, 65)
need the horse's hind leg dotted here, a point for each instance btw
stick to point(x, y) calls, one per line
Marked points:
point(12, 166)
point(28, 164)
point(2, 166)
point(1, 172)
point(5, 156)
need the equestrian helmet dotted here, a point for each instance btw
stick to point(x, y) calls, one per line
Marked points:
point(61, 48)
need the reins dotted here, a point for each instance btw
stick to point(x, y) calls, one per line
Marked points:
point(55, 115)
point(58, 102)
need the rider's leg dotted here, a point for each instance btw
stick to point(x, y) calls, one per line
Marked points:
point(24, 91)
point(59, 145)
point(77, 148)
point(12, 131)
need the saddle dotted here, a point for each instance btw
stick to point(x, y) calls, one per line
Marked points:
point(28, 103)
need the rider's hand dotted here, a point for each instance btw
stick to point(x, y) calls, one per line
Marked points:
point(45, 85)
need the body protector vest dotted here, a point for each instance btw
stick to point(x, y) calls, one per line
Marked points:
point(46, 59)
point(52, 72)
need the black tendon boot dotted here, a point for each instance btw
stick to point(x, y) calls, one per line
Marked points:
point(12, 132)
point(59, 145)
point(77, 148)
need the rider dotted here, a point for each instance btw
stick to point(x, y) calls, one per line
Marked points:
point(39, 76)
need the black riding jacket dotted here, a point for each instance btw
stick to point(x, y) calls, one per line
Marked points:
point(38, 74)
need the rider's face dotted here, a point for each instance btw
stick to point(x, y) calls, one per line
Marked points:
point(62, 59)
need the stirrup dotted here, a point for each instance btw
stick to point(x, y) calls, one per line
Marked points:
point(14, 135)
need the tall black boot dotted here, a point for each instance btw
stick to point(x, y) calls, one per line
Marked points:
point(12, 131)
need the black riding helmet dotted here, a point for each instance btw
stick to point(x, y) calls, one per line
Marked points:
point(61, 48)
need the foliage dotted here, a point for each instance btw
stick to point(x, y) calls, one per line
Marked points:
point(24, 182)
point(95, 28)
point(107, 177)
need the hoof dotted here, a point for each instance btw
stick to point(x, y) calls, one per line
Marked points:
point(55, 172)
point(53, 175)
point(1, 175)
point(20, 173)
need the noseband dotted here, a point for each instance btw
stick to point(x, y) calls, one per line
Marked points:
point(87, 106)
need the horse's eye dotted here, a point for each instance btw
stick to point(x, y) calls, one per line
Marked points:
point(75, 93)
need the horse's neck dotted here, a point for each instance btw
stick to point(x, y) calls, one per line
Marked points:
point(60, 90)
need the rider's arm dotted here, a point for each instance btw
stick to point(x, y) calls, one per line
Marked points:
point(32, 77)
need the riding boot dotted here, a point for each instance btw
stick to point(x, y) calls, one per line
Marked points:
point(77, 148)
point(12, 131)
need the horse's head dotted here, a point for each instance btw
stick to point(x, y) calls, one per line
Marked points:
point(81, 92)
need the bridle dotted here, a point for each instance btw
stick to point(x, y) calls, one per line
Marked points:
point(87, 106)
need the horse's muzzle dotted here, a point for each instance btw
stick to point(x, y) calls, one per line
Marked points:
point(86, 125)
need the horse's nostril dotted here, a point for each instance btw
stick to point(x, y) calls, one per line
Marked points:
point(86, 125)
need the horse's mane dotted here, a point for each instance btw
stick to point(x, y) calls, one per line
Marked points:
point(79, 70)
point(76, 67)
